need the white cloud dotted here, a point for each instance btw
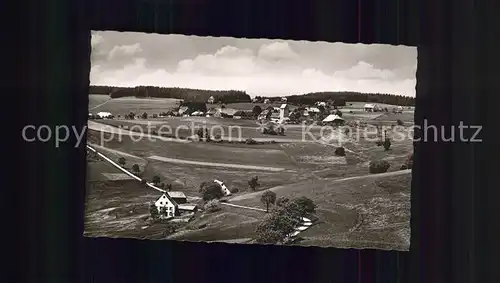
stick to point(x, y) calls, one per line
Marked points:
point(124, 51)
point(275, 69)
point(277, 51)
point(364, 70)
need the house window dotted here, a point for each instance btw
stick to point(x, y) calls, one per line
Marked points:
point(161, 202)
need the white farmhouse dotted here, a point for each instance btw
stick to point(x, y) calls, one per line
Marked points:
point(225, 190)
point(369, 107)
point(103, 115)
point(166, 202)
point(211, 100)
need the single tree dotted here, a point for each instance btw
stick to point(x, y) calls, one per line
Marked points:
point(387, 144)
point(268, 198)
point(143, 181)
point(210, 191)
point(400, 123)
point(168, 187)
point(161, 186)
point(156, 180)
point(305, 204)
point(144, 115)
point(136, 169)
point(122, 161)
point(254, 183)
point(153, 211)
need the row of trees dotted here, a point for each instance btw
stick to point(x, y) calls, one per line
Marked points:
point(200, 95)
point(341, 97)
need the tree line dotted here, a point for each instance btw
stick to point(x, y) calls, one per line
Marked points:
point(186, 94)
point(339, 98)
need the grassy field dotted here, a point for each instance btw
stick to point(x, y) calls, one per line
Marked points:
point(124, 105)
point(181, 127)
point(97, 99)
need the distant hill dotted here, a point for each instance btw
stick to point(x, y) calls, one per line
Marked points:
point(341, 97)
point(188, 95)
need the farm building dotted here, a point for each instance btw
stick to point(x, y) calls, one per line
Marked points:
point(265, 114)
point(103, 115)
point(225, 190)
point(211, 100)
point(241, 114)
point(284, 99)
point(169, 204)
point(333, 119)
point(369, 107)
point(211, 112)
point(267, 101)
point(187, 207)
point(178, 197)
point(197, 113)
point(320, 103)
point(183, 110)
point(284, 111)
point(225, 112)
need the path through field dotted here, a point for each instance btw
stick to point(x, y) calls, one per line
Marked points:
point(213, 164)
point(97, 106)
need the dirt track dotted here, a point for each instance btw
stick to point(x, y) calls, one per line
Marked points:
point(277, 188)
point(212, 164)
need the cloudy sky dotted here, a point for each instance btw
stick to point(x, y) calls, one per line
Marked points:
point(257, 66)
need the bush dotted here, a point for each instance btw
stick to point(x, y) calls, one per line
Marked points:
point(122, 161)
point(212, 206)
point(379, 143)
point(340, 151)
point(234, 190)
point(379, 166)
point(400, 123)
point(250, 141)
point(136, 169)
point(403, 167)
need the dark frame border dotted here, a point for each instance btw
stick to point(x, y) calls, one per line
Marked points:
point(57, 66)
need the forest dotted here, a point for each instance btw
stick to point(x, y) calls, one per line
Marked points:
point(235, 96)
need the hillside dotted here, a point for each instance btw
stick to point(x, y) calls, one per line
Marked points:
point(198, 95)
point(341, 97)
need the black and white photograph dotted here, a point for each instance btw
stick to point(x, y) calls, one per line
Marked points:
point(250, 141)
